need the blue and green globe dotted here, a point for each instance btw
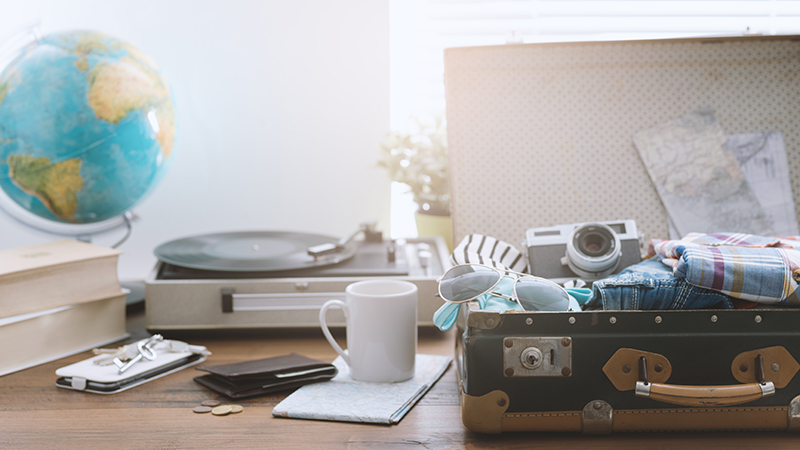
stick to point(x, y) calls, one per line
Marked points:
point(87, 127)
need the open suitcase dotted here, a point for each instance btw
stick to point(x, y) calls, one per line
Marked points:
point(540, 135)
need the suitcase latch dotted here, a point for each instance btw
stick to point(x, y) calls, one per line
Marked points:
point(537, 356)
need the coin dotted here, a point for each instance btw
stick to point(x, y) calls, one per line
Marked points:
point(236, 409)
point(210, 403)
point(202, 409)
point(221, 410)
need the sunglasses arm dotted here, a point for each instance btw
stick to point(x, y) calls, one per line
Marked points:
point(507, 297)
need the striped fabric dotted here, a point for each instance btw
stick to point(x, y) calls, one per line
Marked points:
point(755, 268)
point(486, 250)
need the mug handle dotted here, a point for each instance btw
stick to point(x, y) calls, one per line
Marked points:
point(324, 324)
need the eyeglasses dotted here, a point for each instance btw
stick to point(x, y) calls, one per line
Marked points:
point(467, 282)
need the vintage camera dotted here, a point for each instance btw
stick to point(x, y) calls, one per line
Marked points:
point(589, 251)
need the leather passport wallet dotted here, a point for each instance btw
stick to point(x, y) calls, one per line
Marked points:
point(264, 376)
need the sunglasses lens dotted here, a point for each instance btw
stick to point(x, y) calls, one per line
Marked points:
point(536, 294)
point(463, 283)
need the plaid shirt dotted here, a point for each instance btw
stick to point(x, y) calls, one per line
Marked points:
point(755, 268)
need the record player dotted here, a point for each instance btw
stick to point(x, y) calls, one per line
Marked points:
point(265, 279)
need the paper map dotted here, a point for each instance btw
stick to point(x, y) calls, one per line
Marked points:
point(762, 158)
point(344, 399)
point(698, 178)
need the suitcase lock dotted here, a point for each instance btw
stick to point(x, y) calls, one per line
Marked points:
point(532, 358)
point(537, 356)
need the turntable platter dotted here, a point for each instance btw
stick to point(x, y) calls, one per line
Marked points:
point(249, 251)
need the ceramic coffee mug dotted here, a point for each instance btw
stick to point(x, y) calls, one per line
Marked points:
point(381, 320)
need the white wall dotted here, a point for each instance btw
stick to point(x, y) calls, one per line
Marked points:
point(281, 108)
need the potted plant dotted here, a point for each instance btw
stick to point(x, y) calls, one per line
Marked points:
point(418, 158)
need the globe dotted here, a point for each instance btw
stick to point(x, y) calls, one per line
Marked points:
point(87, 127)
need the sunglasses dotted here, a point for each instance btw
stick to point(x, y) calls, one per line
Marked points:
point(467, 282)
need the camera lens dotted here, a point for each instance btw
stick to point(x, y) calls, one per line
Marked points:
point(593, 250)
point(594, 242)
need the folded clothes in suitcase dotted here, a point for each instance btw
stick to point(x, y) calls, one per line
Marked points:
point(556, 123)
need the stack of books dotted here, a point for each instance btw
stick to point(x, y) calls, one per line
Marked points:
point(57, 299)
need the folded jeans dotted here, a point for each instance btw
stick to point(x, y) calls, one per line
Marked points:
point(650, 285)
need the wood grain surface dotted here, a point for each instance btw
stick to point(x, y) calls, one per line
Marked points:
point(35, 414)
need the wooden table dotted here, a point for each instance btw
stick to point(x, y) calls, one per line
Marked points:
point(158, 415)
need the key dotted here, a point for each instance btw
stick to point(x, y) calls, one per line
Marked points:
point(145, 351)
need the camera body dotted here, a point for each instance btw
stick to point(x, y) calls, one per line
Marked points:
point(589, 251)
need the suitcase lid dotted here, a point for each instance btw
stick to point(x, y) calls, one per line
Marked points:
point(542, 134)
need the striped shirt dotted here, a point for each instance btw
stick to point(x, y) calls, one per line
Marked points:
point(744, 266)
point(486, 250)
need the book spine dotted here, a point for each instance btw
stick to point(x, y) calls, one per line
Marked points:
point(61, 333)
point(61, 285)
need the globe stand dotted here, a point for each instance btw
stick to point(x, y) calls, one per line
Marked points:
point(128, 217)
point(82, 232)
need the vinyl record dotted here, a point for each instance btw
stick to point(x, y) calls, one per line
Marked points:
point(247, 251)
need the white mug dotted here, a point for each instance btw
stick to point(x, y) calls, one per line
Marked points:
point(381, 320)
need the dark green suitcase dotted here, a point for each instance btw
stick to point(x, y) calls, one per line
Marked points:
point(695, 370)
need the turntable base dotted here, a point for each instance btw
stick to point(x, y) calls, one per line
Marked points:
point(180, 298)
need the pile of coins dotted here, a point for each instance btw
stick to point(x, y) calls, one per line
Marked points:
point(215, 408)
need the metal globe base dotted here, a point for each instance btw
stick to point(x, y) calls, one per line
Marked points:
point(81, 232)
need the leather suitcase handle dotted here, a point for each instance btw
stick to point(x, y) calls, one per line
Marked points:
point(705, 395)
